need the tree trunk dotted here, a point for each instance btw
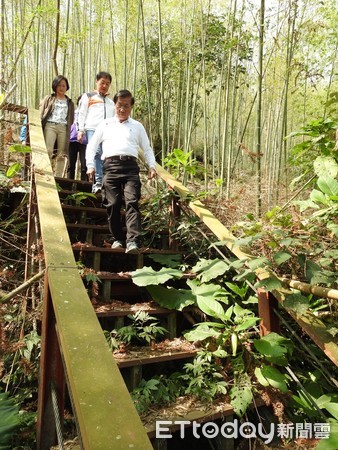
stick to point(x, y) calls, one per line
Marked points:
point(259, 110)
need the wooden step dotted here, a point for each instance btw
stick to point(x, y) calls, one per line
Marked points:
point(83, 246)
point(189, 409)
point(119, 308)
point(88, 226)
point(74, 185)
point(168, 350)
point(88, 210)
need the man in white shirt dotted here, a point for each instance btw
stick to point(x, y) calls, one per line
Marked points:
point(93, 108)
point(121, 137)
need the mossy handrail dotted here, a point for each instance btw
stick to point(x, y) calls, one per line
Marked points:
point(105, 414)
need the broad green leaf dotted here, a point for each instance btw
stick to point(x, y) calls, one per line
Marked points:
point(305, 204)
point(219, 353)
point(328, 185)
point(281, 256)
point(269, 284)
point(325, 166)
point(318, 197)
point(9, 420)
point(210, 269)
point(333, 227)
point(171, 298)
point(251, 300)
point(249, 323)
point(241, 396)
point(297, 302)
point(247, 274)
point(210, 307)
point(172, 261)
point(241, 313)
point(275, 378)
point(261, 379)
point(152, 384)
point(286, 242)
point(209, 290)
point(200, 333)
point(311, 270)
point(330, 403)
point(148, 276)
point(332, 442)
point(19, 148)
point(274, 347)
point(240, 291)
point(13, 170)
point(258, 262)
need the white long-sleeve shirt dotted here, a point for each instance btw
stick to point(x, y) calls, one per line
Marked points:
point(120, 138)
point(93, 108)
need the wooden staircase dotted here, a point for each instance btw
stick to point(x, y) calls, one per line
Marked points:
point(114, 297)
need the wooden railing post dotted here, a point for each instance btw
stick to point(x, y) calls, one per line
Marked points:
point(175, 213)
point(51, 372)
point(269, 320)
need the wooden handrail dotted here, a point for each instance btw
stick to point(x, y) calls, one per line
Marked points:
point(105, 414)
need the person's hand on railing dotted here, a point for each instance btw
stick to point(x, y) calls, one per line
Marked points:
point(91, 173)
point(151, 173)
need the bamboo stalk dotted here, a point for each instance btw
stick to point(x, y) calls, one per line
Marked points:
point(26, 284)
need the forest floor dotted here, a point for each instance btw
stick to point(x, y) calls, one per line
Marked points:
point(230, 212)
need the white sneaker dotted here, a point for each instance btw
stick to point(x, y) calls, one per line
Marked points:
point(132, 248)
point(117, 244)
point(97, 188)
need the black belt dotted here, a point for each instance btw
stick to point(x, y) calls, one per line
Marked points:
point(122, 158)
point(56, 123)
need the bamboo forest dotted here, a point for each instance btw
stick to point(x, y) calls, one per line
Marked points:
point(203, 314)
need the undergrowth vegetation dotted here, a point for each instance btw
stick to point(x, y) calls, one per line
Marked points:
point(233, 363)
